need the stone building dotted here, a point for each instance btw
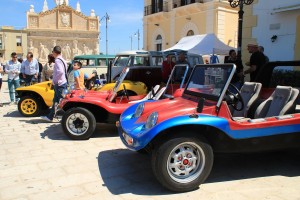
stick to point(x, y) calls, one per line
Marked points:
point(12, 40)
point(167, 21)
point(76, 33)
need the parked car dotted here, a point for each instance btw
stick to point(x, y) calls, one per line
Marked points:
point(37, 98)
point(98, 63)
point(134, 59)
point(183, 133)
point(84, 110)
point(193, 59)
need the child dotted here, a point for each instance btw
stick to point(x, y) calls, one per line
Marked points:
point(78, 76)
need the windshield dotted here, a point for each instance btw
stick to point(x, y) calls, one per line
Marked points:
point(178, 78)
point(210, 81)
point(121, 61)
point(141, 61)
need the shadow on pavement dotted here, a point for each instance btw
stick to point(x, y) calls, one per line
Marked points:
point(105, 130)
point(13, 114)
point(229, 167)
point(55, 131)
point(124, 171)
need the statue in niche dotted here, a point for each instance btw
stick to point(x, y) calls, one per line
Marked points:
point(76, 51)
point(53, 43)
point(32, 49)
point(67, 52)
point(86, 49)
point(96, 50)
point(43, 55)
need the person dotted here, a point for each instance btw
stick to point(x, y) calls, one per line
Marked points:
point(238, 77)
point(214, 59)
point(257, 60)
point(76, 77)
point(13, 68)
point(180, 73)
point(1, 72)
point(167, 67)
point(30, 68)
point(262, 50)
point(40, 72)
point(59, 81)
point(182, 60)
point(47, 72)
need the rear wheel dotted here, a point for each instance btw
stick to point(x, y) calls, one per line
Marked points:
point(182, 164)
point(30, 106)
point(78, 123)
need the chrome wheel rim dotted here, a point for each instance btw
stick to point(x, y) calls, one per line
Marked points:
point(77, 124)
point(186, 162)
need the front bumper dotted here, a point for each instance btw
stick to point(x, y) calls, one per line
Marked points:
point(129, 140)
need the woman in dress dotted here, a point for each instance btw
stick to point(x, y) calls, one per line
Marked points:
point(47, 72)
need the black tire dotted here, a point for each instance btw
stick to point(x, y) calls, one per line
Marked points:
point(78, 123)
point(201, 167)
point(30, 106)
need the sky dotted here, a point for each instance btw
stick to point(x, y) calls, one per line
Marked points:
point(126, 18)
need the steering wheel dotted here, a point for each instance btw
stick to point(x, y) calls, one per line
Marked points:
point(234, 97)
point(125, 92)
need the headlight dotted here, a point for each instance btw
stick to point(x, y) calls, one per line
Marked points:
point(72, 87)
point(139, 110)
point(152, 119)
point(65, 92)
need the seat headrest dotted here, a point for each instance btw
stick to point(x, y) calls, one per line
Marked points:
point(283, 92)
point(249, 87)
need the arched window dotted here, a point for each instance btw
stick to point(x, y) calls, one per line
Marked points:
point(158, 43)
point(190, 33)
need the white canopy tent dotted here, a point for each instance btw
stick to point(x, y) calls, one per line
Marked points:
point(202, 44)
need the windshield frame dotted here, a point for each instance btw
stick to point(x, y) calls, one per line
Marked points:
point(211, 97)
point(177, 67)
point(118, 83)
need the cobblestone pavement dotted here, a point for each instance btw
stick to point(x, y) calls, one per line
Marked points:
point(37, 161)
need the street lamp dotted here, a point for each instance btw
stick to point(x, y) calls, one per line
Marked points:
point(234, 4)
point(107, 19)
point(138, 35)
point(131, 42)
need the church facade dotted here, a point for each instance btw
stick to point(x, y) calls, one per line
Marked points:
point(76, 33)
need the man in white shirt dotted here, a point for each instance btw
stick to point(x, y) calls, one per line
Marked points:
point(30, 68)
point(13, 68)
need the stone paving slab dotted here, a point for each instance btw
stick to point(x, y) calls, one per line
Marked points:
point(37, 161)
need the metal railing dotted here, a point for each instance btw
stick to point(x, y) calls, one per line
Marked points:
point(152, 9)
point(179, 3)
